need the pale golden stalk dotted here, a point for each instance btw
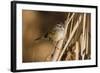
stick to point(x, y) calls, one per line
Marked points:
point(71, 26)
point(57, 50)
point(68, 16)
point(87, 38)
point(83, 42)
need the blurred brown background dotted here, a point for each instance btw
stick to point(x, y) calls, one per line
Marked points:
point(35, 25)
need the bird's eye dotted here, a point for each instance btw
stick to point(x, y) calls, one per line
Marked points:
point(53, 33)
point(60, 26)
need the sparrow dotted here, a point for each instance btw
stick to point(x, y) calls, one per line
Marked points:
point(56, 34)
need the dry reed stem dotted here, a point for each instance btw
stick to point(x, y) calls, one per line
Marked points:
point(87, 38)
point(71, 26)
point(83, 42)
point(57, 50)
point(68, 16)
point(70, 37)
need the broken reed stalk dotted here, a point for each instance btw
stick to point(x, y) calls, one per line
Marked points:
point(68, 57)
point(70, 37)
point(83, 42)
point(59, 47)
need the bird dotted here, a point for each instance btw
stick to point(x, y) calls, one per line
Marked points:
point(56, 35)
